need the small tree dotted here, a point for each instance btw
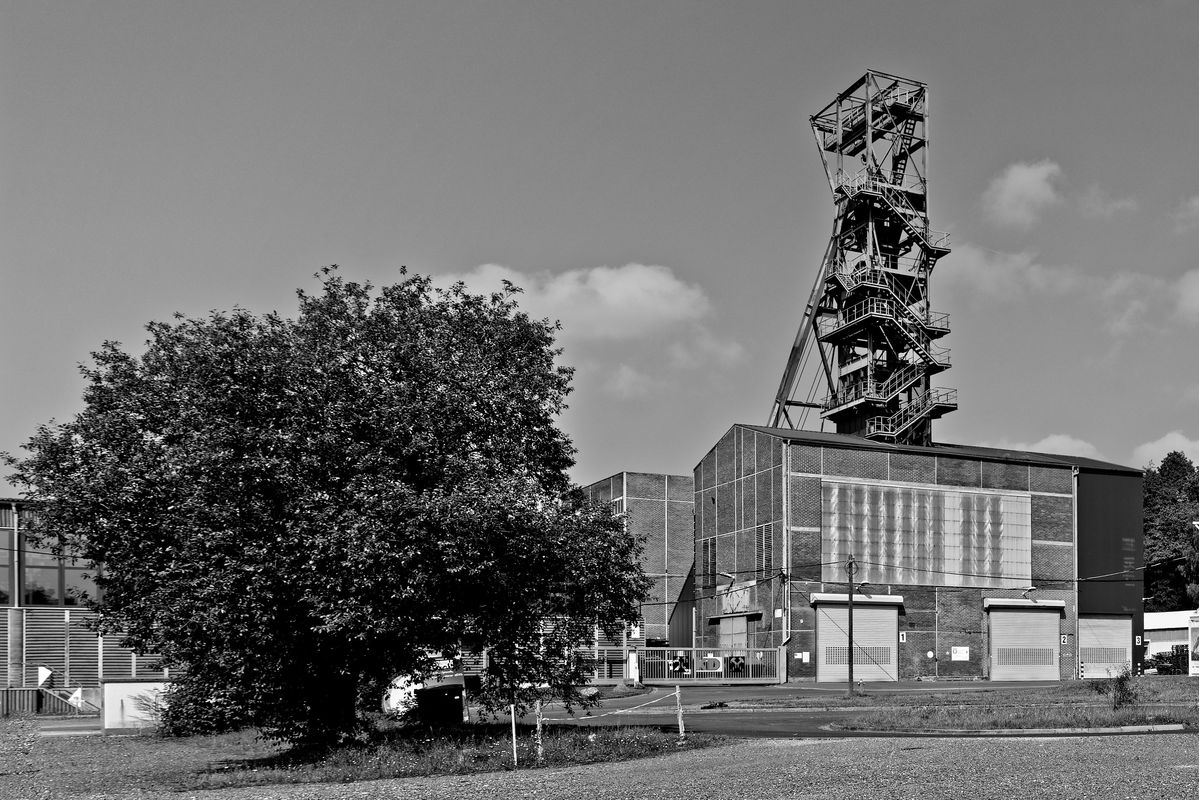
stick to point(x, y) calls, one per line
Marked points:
point(1171, 505)
point(296, 511)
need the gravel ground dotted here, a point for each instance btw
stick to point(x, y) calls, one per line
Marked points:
point(1160, 767)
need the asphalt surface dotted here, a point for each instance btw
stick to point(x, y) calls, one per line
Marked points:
point(657, 708)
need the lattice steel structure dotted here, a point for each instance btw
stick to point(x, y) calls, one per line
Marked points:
point(868, 319)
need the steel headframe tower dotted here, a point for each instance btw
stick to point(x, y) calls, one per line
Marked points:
point(868, 318)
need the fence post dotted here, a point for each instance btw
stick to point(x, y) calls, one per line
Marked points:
point(537, 734)
point(678, 705)
point(513, 710)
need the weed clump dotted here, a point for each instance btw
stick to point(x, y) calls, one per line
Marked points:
point(1120, 688)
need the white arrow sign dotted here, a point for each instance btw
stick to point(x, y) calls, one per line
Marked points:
point(43, 675)
point(76, 698)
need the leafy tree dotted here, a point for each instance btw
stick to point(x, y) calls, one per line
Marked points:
point(1171, 505)
point(296, 510)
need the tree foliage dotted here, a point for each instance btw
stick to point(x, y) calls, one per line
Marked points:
point(1171, 505)
point(296, 510)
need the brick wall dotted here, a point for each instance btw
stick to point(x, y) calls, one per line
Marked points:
point(740, 487)
point(744, 474)
point(1053, 518)
point(935, 619)
point(659, 510)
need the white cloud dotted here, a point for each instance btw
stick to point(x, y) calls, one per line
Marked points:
point(703, 348)
point(1156, 450)
point(1187, 292)
point(1018, 195)
point(1130, 302)
point(630, 330)
point(600, 303)
point(1006, 275)
point(628, 383)
point(1097, 203)
point(1054, 444)
point(1187, 215)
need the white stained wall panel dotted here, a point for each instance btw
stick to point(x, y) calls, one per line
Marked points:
point(1024, 645)
point(876, 639)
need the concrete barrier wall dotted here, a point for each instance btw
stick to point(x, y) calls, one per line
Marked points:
point(131, 705)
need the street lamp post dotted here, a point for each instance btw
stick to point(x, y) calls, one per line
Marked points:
point(851, 566)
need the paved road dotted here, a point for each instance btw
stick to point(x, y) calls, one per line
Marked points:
point(658, 708)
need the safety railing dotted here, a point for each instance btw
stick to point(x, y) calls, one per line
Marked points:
point(876, 390)
point(679, 665)
point(900, 420)
point(892, 96)
point(866, 180)
point(884, 307)
point(896, 196)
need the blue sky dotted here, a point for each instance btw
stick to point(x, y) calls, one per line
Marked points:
point(644, 169)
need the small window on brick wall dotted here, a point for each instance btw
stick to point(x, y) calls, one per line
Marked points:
point(765, 548)
point(618, 506)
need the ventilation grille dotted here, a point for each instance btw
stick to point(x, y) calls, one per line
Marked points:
point(1025, 656)
point(861, 655)
point(1103, 655)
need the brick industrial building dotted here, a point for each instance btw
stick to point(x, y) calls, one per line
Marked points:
point(658, 508)
point(978, 563)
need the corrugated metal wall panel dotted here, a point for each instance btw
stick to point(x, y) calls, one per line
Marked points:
point(1024, 645)
point(117, 660)
point(4, 645)
point(876, 640)
point(146, 666)
point(83, 662)
point(45, 634)
point(1104, 645)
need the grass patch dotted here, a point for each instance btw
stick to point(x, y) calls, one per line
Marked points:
point(1105, 703)
point(70, 766)
point(1150, 690)
point(478, 748)
point(985, 717)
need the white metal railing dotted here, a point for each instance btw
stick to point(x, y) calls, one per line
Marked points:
point(762, 665)
point(892, 95)
point(881, 306)
point(897, 422)
point(866, 180)
point(875, 390)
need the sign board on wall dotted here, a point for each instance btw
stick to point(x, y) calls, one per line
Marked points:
point(959, 654)
point(735, 598)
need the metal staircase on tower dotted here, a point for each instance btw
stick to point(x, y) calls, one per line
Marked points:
point(868, 330)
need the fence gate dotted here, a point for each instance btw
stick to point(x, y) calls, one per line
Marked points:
point(686, 665)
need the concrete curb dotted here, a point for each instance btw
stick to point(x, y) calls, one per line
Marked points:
point(950, 732)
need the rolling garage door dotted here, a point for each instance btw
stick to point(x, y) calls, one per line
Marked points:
point(1104, 645)
point(876, 639)
point(1024, 644)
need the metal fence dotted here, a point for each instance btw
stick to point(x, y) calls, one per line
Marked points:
point(712, 665)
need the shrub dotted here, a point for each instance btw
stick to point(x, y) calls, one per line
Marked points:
point(1120, 688)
